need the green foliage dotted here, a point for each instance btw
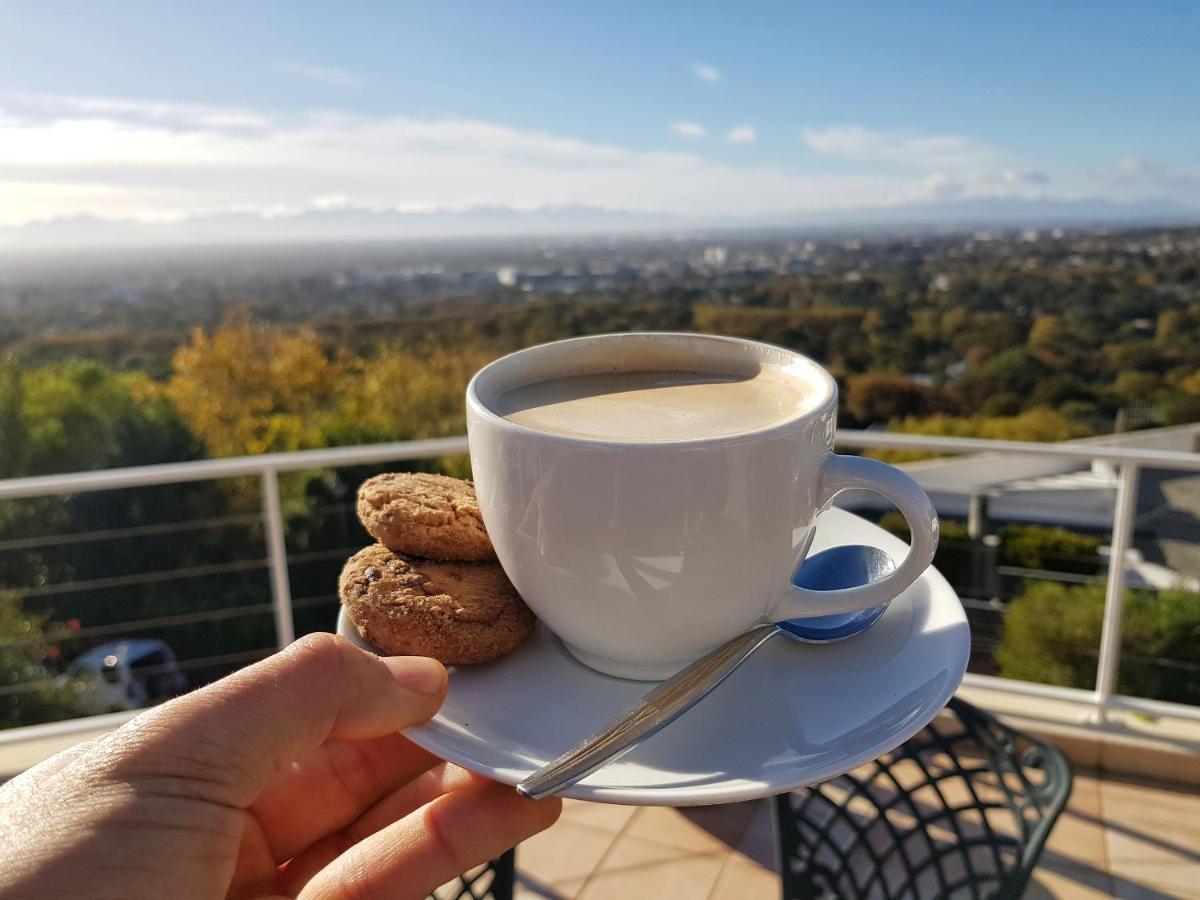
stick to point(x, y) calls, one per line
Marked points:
point(1012, 371)
point(949, 529)
point(29, 692)
point(1052, 636)
point(1053, 549)
point(13, 452)
point(79, 415)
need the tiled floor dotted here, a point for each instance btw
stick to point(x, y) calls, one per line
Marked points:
point(1116, 839)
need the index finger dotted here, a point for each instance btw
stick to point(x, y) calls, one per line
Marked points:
point(232, 737)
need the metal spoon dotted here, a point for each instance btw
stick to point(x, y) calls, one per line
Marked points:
point(832, 569)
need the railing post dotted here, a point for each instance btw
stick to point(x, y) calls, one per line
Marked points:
point(281, 589)
point(1124, 514)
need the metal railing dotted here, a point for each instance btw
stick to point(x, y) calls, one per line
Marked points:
point(266, 468)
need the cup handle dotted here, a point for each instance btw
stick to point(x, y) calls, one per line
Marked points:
point(842, 473)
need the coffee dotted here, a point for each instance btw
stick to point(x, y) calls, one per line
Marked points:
point(650, 406)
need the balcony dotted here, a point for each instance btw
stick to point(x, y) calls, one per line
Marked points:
point(1121, 710)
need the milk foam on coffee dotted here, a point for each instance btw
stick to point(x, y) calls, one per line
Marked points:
point(649, 406)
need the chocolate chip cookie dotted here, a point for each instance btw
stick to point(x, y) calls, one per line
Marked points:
point(457, 612)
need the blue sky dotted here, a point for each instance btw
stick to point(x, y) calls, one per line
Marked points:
point(161, 110)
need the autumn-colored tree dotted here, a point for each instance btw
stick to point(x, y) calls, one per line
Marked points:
point(1168, 326)
point(1032, 425)
point(250, 388)
point(393, 395)
point(1190, 384)
point(1051, 342)
point(1136, 387)
point(882, 396)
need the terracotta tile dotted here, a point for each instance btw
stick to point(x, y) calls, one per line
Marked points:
point(1068, 883)
point(1085, 794)
point(1165, 809)
point(639, 868)
point(531, 889)
point(1076, 841)
point(608, 816)
point(1152, 882)
point(1166, 846)
point(742, 879)
point(567, 851)
point(672, 828)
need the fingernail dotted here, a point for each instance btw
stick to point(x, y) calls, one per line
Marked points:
point(417, 673)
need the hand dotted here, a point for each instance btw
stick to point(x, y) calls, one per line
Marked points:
point(288, 778)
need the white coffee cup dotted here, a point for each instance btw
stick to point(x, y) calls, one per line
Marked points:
point(642, 556)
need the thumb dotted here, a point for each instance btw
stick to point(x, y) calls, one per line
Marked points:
point(234, 735)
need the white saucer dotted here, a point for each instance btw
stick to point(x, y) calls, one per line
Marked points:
point(793, 714)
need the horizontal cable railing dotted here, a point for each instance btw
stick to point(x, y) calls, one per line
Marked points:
point(274, 559)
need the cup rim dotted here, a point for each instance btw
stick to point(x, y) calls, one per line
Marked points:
point(476, 406)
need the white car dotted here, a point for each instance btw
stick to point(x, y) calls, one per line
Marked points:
point(127, 674)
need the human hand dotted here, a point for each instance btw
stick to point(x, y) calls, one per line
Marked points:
point(288, 778)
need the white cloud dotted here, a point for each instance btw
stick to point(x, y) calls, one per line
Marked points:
point(689, 130)
point(743, 134)
point(1142, 173)
point(16, 107)
point(706, 73)
point(126, 158)
point(920, 151)
point(986, 183)
point(125, 163)
point(328, 75)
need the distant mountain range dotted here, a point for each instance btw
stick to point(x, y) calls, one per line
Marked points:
point(351, 223)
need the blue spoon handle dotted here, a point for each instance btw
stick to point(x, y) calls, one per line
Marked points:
point(661, 706)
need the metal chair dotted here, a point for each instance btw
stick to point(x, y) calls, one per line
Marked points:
point(963, 809)
point(493, 881)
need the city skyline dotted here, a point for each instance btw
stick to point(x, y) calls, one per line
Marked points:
point(677, 115)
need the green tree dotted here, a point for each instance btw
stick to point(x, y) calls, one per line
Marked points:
point(12, 422)
point(78, 415)
point(1013, 371)
point(29, 693)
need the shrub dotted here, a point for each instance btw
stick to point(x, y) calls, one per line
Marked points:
point(1052, 636)
point(1054, 549)
point(950, 529)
